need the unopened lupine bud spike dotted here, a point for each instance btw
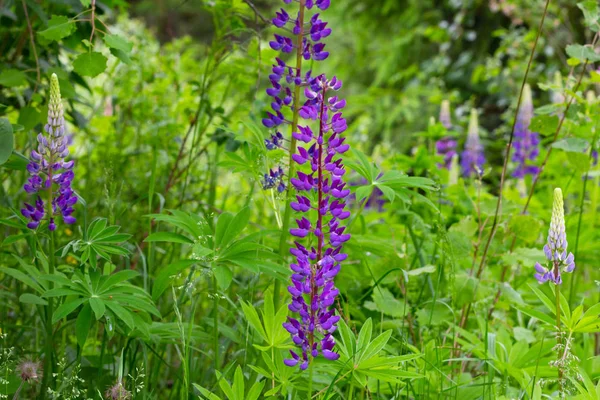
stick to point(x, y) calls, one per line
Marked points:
point(558, 260)
point(446, 146)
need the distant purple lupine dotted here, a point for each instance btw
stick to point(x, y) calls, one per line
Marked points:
point(321, 193)
point(526, 143)
point(50, 174)
point(472, 158)
point(306, 43)
point(556, 248)
point(446, 146)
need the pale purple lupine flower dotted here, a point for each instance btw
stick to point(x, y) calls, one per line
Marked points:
point(472, 157)
point(525, 142)
point(321, 194)
point(556, 248)
point(446, 146)
point(50, 175)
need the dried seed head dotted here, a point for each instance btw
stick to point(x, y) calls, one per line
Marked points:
point(29, 371)
point(117, 392)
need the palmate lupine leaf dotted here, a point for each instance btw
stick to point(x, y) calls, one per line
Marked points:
point(102, 296)
point(220, 248)
point(270, 329)
point(101, 241)
point(237, 391)
point(361, 357)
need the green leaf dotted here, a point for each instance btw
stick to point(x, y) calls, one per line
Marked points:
point(206, 393)
point(59, 27)
point(6, 140)
point(29, 298)
point(12, 78)
point(66, 309)
point(582, 53)
point(117, 278)
point(544, 124)
point(573, 145)
point(591, 13)
point(163, 279)
point(235, 227)
point(224, 276)
point(118, 42)
point(98, 307)
point(171, 237)
point(83, 324)
point(122, 313)
point(90, 64)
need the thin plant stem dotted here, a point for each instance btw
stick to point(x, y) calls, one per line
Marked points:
point(216, 322)
point(310, 380)
point(558, 341)
point(291, 164)
point(507, 157)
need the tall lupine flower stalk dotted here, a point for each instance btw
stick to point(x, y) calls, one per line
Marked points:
point(558, 261)
point(472, 157)
point(446, 146)
point(556, 247)
point(49, 172)
point(320, 192)
point(526, 143)
point(286, 83)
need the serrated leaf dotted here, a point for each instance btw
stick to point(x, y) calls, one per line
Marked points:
point(90, 64)
point(59, 27)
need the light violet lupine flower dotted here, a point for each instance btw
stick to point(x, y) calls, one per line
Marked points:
point(321, 193)
point(50, 174)
point(556, 248)
point(446, 146)
point(472, 157)
point(526, 142)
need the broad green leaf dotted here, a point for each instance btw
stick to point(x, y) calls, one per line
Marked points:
point(66, 309)
point(364, 338)
point(59, 27)
point(224, 275)
point(6, 139)
point(83, 324)
point(255, 390)
point(238, 384)
point(235, 227)
point(572, 145)
point(118, 42)
point(225, 387)
point(90, 64)
point(376, 345)
point(168, 237)
point(582, 53)
point(253, 319)
point(29, 298)
point(117, 278)
point(122, 313)
point(11, 77)
point(206, 393)
point(98, 307)
point(163, 279)
point(20, 276)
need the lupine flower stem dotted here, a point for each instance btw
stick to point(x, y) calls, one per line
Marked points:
point(48, 365)
point(291, 164)
point(558, 341)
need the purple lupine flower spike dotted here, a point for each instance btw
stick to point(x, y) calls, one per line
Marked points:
point(526, 142)
point(446, 146)
point(472, 157)
point(50, 175)
point(556, 248)
point(322, 193)
point(306, 42)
